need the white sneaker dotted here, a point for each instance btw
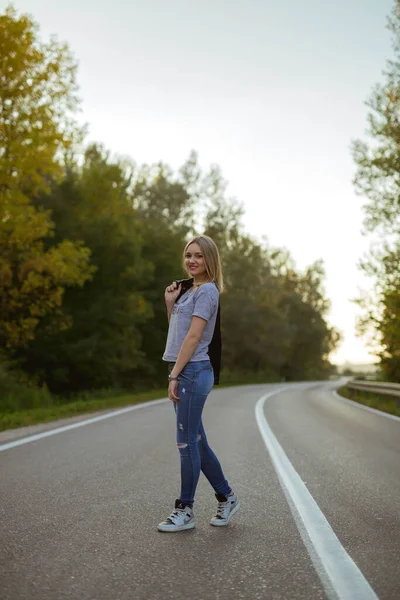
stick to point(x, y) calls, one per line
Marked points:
point(180, 519)
point(227, 507)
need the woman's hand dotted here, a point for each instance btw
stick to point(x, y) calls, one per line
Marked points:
point(171, 293)
point(173, 391)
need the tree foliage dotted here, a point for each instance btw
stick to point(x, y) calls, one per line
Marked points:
point(37, 93)
point(38, 100)
point(103, 346)
point(378, 179)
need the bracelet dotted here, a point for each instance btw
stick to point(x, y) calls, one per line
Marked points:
point(172, 378)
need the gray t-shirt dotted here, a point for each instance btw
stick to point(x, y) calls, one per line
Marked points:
point(203, 302)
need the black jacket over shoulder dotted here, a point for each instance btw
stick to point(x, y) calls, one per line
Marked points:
point(215, 347)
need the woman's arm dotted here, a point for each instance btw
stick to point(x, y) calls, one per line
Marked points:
point(189, 344)
point(169, 311)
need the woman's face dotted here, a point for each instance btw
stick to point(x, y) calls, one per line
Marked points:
point(194, 261)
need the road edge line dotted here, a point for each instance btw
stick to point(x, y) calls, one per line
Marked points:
point(339, 574)
point(48, 433)
point(381, 413)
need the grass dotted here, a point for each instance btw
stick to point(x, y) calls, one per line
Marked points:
point(45, 414)
point(55, 410)
point(382, 402)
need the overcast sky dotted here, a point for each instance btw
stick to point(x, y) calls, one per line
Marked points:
point(272, 91)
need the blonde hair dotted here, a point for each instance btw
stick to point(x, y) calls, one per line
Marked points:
point(212, 260)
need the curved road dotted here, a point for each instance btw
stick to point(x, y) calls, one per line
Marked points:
point(318, 479)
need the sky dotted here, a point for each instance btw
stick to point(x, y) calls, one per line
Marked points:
point(272, 92)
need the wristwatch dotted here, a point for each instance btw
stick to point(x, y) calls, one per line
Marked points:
point(170, 378)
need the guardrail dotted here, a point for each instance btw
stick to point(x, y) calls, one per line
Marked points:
point(377, 387)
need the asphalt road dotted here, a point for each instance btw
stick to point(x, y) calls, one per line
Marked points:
point(79, 509)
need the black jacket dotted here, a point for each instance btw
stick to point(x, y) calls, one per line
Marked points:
point(215, 347)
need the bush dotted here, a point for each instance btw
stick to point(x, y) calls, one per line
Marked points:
point(17, 392)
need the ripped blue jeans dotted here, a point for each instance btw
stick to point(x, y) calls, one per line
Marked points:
point(195, 382)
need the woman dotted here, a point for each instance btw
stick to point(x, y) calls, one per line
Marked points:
point(191, 325)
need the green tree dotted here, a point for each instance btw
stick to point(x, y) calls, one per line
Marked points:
point(37, 101)
point(378, 179)
point(311, 338)
point(38, 96)
point(380, 320)
point(103, 346)
point(254, 327)
point(164, 208)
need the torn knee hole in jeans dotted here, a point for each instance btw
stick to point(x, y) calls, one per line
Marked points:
point(180, 445)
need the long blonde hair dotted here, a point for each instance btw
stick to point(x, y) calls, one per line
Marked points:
point(212, 260)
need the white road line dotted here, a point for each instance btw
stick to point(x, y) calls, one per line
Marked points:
point(340, 576)
point(381, 413)
point(114, 413)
